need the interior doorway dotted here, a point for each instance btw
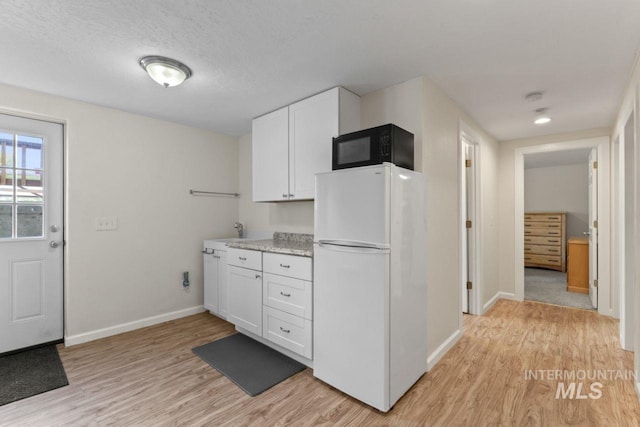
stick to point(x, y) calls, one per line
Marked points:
point(605, 300)
point(560, 201)
point(470, 221)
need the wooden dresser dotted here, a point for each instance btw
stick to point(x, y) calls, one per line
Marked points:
point(545, 240)
point(578, 265)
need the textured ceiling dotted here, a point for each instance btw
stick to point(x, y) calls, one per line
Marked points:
point(251, 57)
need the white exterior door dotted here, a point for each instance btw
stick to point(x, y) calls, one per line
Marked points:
point(31, 235)
point(593, 227)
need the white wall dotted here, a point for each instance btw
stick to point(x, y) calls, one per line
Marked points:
point(421, 107)
point(506, 198)
point(140, 170)
point(630, 105)
point(560, 189)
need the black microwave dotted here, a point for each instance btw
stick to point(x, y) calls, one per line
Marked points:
point(386, 143)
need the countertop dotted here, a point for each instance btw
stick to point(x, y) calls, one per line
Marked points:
point(282, 243)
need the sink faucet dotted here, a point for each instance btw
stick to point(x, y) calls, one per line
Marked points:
point(240, 228)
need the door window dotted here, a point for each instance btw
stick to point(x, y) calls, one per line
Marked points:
point(21, 186)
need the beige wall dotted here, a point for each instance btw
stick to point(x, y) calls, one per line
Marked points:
point(260, 218)
point(560, 189)
point(506, 192)
point(422, 108)
point(140, 170)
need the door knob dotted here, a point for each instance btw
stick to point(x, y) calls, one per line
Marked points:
point(53, 244)
point(54, 228)
point(586, 233)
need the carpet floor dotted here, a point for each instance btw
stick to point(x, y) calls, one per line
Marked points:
point(551, 287)
point(30, 372)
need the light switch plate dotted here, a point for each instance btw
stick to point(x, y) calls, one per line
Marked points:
point(106, 223)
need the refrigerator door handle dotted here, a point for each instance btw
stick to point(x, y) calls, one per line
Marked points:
point(353, 244)
point(354, 249)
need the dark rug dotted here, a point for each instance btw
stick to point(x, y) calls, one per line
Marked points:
point(30, 372)
point(252, 366)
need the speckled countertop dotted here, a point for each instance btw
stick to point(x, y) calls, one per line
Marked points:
point(282, 243)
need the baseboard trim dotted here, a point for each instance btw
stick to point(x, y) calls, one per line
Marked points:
point(130, 326)
point(496, 297)
point(443, 349)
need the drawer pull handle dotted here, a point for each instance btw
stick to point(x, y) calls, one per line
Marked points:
point(527, 240)
point(551, 260)
point(257, 276)
point(527, 258)
point(527, 225)
point(553, 241)
point(284, 196)
point(217, 256)
point(242, 258)
point(554, 225)
point(206, 251)
point(286, 331)
point(553, 250)
point(554, 217)
point(285, 295)
point(285, 266)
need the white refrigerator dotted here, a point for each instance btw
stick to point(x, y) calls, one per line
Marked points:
point(370, 322)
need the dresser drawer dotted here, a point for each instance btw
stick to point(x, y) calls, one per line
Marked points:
point(542, 240)
point(293, 296)
point(288, 265)
point(542, 232)
point(542, 225)
point(542, 250)
point(245, 258)
point(543, 217)
point(543, 259)
point(289, 331)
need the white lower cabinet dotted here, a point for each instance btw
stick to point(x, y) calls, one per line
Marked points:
point(275, 304)
point(245, 298)
point(288, 302)
point(289, 331)
point(215, 279)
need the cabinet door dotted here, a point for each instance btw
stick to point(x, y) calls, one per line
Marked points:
point(245, 298)
point(223, 285)
point(270, 156)
point(211, 282)
point(313, 123)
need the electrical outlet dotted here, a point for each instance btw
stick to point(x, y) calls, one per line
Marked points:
point(106, 223)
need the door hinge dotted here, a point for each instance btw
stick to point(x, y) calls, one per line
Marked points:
point(469, 285)
point(468, 224)
point(595, 283)
point(467, 163)
point(595, 164)
point(595, 224)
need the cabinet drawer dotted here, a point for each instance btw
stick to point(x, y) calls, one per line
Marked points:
point(542, 217)
point(289, 331)
point(288, 265)
point(542, 232)
point(245, 258)
point(290, 295)
point(542, 225)
point(542, 240)
point(542, 259)
point(542, 250)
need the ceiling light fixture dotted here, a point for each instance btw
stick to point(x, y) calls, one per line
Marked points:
point(165, 71)
point(533, 96)
point(542, 118)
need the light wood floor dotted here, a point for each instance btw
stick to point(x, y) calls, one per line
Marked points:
point(150, 377)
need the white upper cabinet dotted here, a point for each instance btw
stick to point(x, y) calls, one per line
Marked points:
point(270, 156)
point(285, 163)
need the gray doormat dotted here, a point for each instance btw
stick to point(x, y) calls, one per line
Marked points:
point(252, 366)
point(30, 372)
